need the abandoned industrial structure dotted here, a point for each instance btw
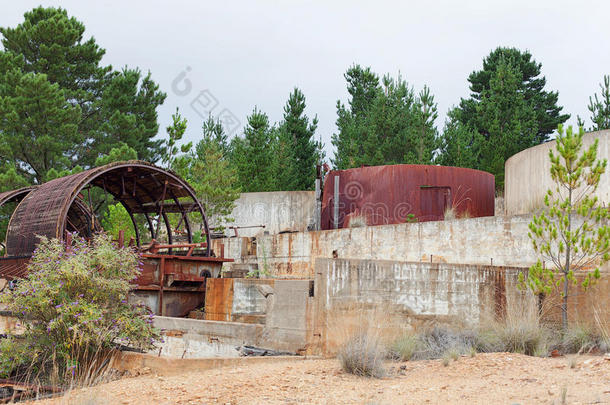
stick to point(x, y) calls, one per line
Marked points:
point(434, 246)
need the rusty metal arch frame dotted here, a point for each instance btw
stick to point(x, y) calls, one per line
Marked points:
point(81, 180)
point(114, 166)
point(14, 196)
point(9, 196)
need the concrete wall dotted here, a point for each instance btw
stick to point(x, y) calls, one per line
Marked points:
point(527, 177)
point(270, 314)
point(500, 241)
point(194, 338)
point(279, 211)
point(387, 297)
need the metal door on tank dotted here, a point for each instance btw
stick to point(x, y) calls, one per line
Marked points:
point(433, 202)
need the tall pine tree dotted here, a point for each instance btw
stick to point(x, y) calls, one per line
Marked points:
point(253, 155)
point(506, 121)
point(297, 144)
point(384, 123)
point(113, 107)
point(530, 83)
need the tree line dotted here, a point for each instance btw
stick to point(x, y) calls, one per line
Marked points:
point(62, 110)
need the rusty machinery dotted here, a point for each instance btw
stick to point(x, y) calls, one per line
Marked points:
point(172, 281)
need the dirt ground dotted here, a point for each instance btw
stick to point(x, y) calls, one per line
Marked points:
point(499, 378)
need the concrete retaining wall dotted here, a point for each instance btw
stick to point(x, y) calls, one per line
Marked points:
point(499, 241)
point(278, 211)
point(387, 297)
point(527, 177)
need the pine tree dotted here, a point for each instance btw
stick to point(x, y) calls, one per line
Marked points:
point(129, 106)
point(172, 151)
point(113, 106)
point(506, 121)
point(384, 124)
point(38, 127)
point(215, 183)
point(296, 135)
point(459, 145)
point(252, 156)
point(363, 88)
point(530, 84)
point(426, 133)
point(600, 107)
point(572, 233)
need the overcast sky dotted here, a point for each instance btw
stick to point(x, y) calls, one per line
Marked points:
point(235, 55)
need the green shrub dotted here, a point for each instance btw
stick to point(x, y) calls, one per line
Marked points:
point(74, 305)
point(362, 355)
point(404, 347)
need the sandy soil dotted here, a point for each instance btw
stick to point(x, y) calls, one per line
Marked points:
point(499, 378)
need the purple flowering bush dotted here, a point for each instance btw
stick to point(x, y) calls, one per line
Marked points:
point(74, 303)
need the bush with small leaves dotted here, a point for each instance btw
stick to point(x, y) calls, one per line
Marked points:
point(74, 303)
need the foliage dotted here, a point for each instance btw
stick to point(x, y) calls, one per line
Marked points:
point(579, 339)
point(121, 152)
point(384, 123)
point(73, 303)
point(212, 177)
point(437, 341)
point(530, 84)
point(58, 100)
point(9, 180)
point(362, 355)
point(600, 107)
point(505, 119)
point(129, 109)
point(299, 149)
point(39, 127)
point(508, 111)
point(573, 233)
point(459, 144)
point(252, 157)
point(115, 219)
point(175, 132)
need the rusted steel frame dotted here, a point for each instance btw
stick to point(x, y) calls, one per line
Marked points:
point(187, 258)
point(9, 196)
point(183, 216)
point(13, 267)
point(155, 247)
point(161, 282)
point(165, 218)
point(188, 211)
point(137, 200)
point(193, 196)
point(168, 226)
point(95, 173)
point(160, 205)
point(63, 192)
point(135, 225)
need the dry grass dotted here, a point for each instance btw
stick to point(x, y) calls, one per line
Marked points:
point(363, 355)
point(602, 329)
point(358, 335)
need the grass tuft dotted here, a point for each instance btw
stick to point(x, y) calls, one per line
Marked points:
point(363, 355)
